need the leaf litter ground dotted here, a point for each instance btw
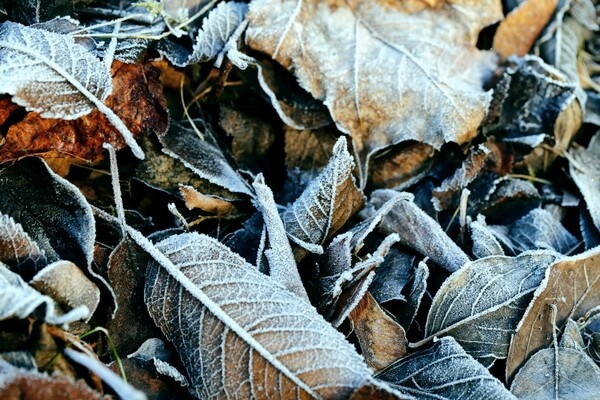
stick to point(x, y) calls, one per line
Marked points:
point(310, 199)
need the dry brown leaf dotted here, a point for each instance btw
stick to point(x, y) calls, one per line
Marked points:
point(402, 167)
point(572, 285)
point(210, 204)
point(309, 150)
point(381, 71)
point(381, 339)
point(521, 27)
point(21, 384)
point(136, 98)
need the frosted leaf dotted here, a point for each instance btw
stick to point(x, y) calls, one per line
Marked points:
point(415, 295)
point(538, 229)
point(421, 90)
point(203, 157)
point(282, 266)
point(130, 48)
point(67, 285)
point(62, 80)
point(35, 11)
point(217, 29)
point(560, 373)
point(19, 300)
point(392, 275)
point(326, 204)
point(18, 250)
point(585, 171)
point(484, 240)
point(481, 304)
point(572, 286)
point(444, 371)
point(20, 359)
point(417, 230)
point(239, 332)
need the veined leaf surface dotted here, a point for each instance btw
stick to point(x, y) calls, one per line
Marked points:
point(239, 333)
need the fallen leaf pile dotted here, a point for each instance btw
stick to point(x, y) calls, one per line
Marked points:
point(299, 199)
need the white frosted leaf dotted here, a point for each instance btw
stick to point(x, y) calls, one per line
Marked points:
point(217, 29)
point(49, 73)
point(481, 304)
point(585, 171)
point(19, 300)
point(241, 334)
point(326, 204)
point(484, 241)
point(17, 249)
point(429, 74)
point(282, 266)
point(416, 229)
point(444, 371)
point(560, 373)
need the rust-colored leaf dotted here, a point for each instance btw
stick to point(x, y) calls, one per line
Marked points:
point(521, 27)
point(136, 98)
point(381, 339)
point(572, 286)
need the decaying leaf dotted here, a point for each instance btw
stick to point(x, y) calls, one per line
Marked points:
point(325, 205)
point(248, 336)
point(208, 203)
point(417, 229)
point(19, 300)
point(381, 339)
point(35, 11)
point(443, 371)
point(480, 304)
point(50, 209)
point(66, 284)
point(18, 383)
point(350, 41)
point(560, 373)
point(64, 79)
point(484, 240)
point(517, 33)
point(135, 87)
point(572, 285)
point(585, 171)
point(18, 250)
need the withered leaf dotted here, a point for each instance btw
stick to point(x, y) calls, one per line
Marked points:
point(203, 157)
point(135, 86)
point(50, 209)
point(350, 41)
point(572, 285)
point(248, 336)
point(585, 171)
point(381, 339)
point(392, 275)
point(481, 304)
point(538, 229)
point(325, 205)
point(66, 284)
point(64, 79)
point(443, 371)
point(17, 383)
point(415, 295)
point(34, 11)
point(19, 300)
point(417, 230)
point(18, 250)
point(560, 373)
point(517, 33)
point(484, 239)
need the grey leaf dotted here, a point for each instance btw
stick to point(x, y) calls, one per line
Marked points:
point(444, 371)
point(217, 29)
point(538, 229)
point(584, 167)
point(481, 304)
point(560, 373)
point(203, 157)
point(18, 250)
point(238, 332)
point(130, 47)
point(415, 295)
point(418, 230)
point(20, 359)
point(19, 300)
point(326, 204)
point(50, 209)
point(392, 275)
point(62, 79)
point(484, 240)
